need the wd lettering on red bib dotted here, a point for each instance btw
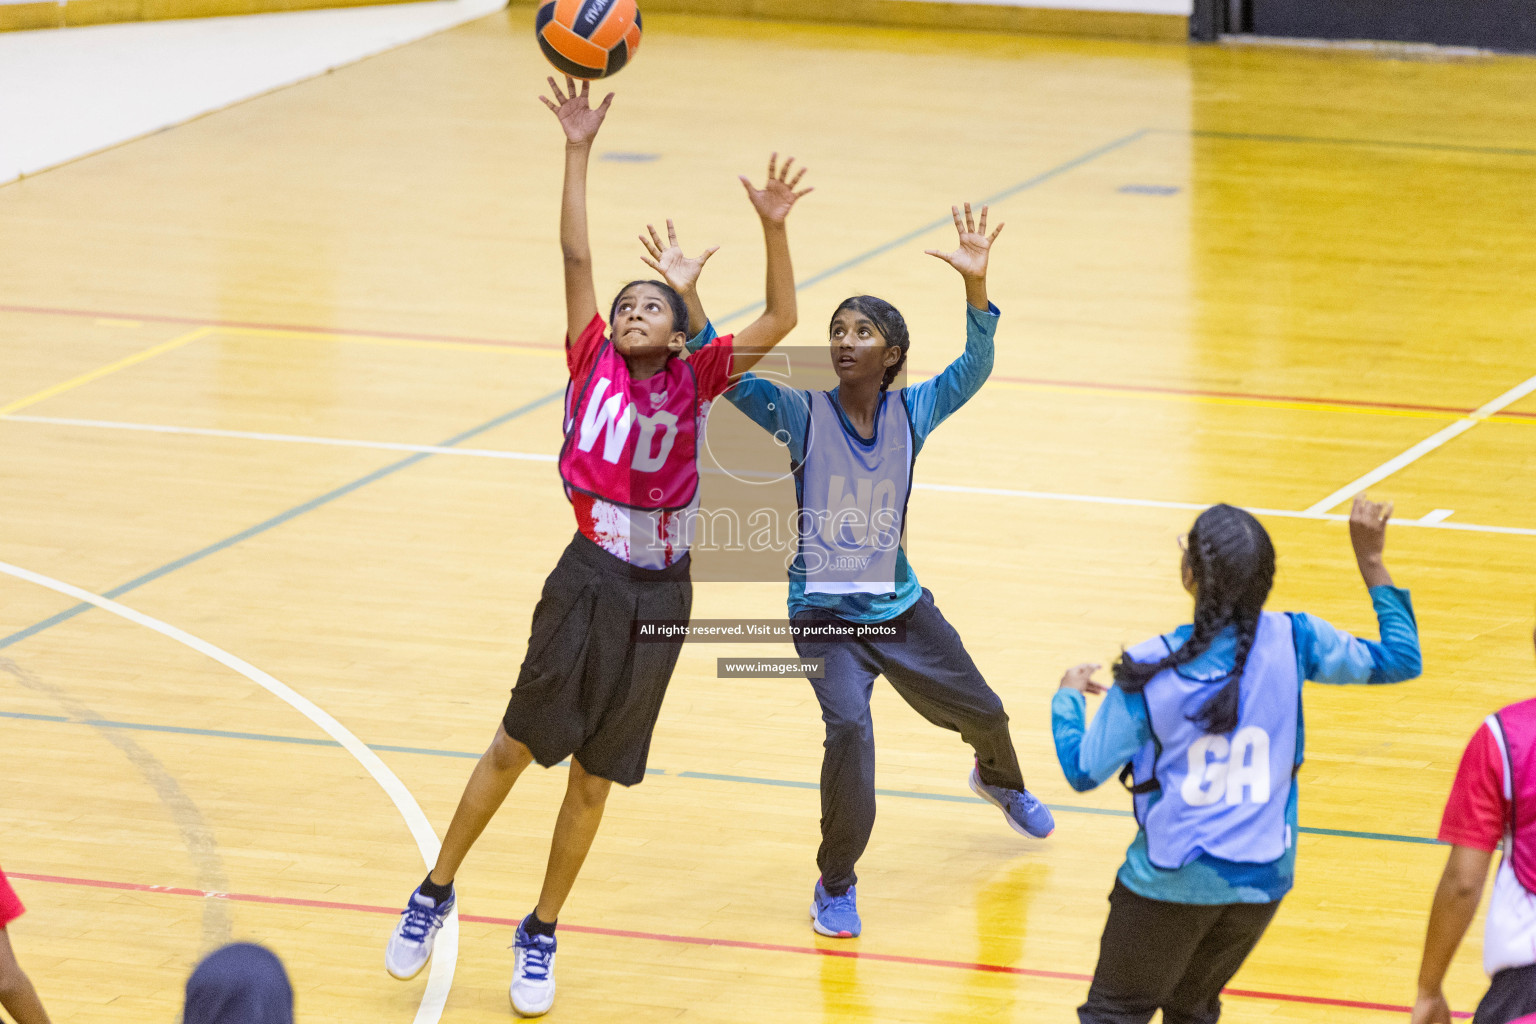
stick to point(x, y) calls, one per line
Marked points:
point(632, 442)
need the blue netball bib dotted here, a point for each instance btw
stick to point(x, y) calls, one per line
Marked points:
point(853, 500)
point(1221, 794)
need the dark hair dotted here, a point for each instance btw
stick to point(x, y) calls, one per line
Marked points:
point(888, 321)
point(1234, 565)
point(241, 982)
point(679, 307)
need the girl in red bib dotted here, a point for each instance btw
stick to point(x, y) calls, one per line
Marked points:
point(16, 992)
point(634, 411)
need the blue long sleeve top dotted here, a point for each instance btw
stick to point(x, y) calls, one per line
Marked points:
point(1324, 654)
point(929, 403)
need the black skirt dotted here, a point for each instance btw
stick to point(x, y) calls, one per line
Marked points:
point(586, 688)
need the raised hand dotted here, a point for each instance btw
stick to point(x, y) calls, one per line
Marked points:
point(678, 270)
point(1368, 536)
point(576, 115)
point(775, 199)
point(975, 245)
point(1080, 678)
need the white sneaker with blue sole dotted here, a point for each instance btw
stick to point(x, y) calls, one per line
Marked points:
point(533, 974)
point(410, 947)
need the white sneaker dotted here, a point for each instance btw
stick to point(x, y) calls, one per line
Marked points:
point(410, 947)
point(533, 974)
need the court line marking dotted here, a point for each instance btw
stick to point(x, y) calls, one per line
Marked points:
point(543, 348)
point(527, 348)
point(411, 460)
point(699, 940)
point(1323, 140)
point(1429, 444)
point(912, 236)
point(420, 455)
point(1430, 519)
point(904, 794)
point(248, 435)
point(255, 325)
point(274, 521)
point(440, 980)
point(103, 371)
point(1198, 396)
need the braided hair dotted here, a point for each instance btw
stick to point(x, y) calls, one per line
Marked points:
point(889, 322)
point(1233, 562)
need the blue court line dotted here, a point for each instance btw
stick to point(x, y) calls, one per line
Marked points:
point(903, 794)
point(277, 520)
point(411, 460)
point(912, 236)
point(1324, 140)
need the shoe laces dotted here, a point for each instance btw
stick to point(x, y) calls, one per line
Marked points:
point(420, 921)
point(1022, 800)
point(842, 904)
point(538, 951)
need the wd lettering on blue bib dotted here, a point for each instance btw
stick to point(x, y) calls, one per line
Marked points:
point(1217, 794)
point(854, 499)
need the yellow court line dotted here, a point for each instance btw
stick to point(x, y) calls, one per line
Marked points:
point(374, 339)
point(103, 371)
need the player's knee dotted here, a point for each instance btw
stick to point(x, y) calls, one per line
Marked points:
point(994, 717)
point(591, 790)
point(990, 716)
point(507, 754)
point(848, 730)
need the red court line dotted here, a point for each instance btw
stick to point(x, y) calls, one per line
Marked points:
point(340, 331)
point(1361, 403)
point(689, 940)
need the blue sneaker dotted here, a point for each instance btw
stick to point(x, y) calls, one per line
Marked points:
point(835, 916)
point(410, 947)
point(1026, 815)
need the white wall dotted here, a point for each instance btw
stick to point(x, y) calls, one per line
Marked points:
point(1180, 7)
point(68, 92)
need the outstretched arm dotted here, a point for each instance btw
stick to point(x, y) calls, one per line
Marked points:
point(1330, 655)
point(581, 123)
point(1461, 886)
point(1089, 755)
point(773, 203)
point(932, 401)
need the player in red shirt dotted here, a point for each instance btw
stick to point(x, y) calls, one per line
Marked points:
point(16, 992)
point(632, 424)
point(1480, 817)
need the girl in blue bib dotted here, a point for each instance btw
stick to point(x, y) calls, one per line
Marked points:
point(852, 449)
point(1204, 726)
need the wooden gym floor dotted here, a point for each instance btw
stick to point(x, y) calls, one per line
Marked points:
point(1251, 275)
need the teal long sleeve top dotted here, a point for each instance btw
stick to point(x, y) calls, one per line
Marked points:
point(929, 403)
point(1091, 754)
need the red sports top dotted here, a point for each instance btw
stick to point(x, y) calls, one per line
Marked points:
point(10, 904)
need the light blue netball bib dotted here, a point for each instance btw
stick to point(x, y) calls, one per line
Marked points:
point(853, 500)
point(1223, 795)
